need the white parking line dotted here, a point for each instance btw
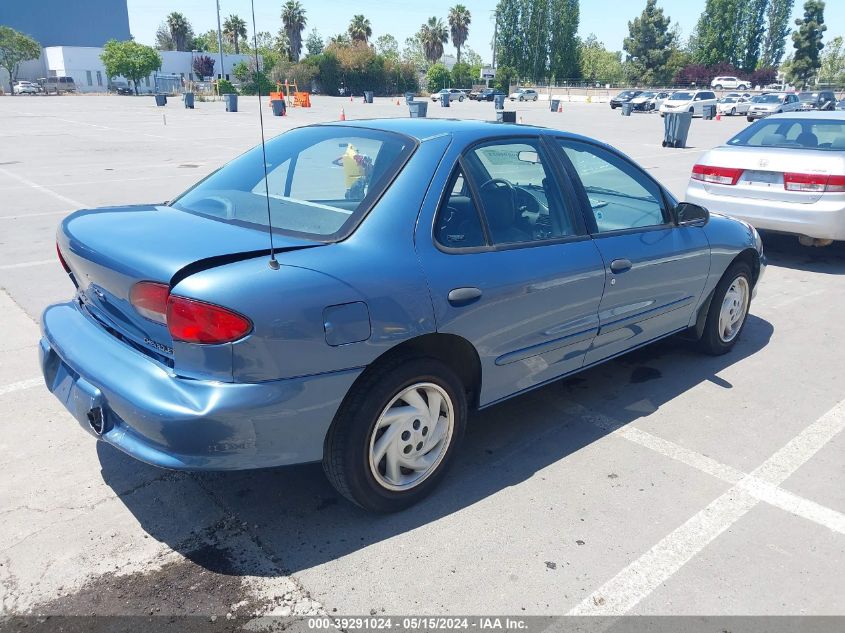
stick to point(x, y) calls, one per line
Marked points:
point(40, 262)
point(49, 192)
point(639, 579)
point(21, 385)
point(32, 215)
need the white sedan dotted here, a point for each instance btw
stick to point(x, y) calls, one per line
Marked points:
point(784, 173)
point(26, 88)
point(733, 105)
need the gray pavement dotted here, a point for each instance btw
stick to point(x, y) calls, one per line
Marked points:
point(664, 482)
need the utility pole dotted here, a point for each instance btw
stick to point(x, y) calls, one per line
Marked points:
point(220, 42)
point(495, 34)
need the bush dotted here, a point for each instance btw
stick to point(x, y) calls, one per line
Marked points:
point(764, 76)
point(504, 77)
point(224, 86)
point(437, 78)
point(462, 75)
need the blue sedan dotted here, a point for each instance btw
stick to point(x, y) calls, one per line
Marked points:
point(387, 277)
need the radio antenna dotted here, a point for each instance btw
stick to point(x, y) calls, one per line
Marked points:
point(273, 263)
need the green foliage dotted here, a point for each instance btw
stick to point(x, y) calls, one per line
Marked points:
point(241, 71)
point(129, 59)
point(505, 75)
point(752, 29)
point(294, 21)
point(510, 39)
point(314, 43)
point(413, 54)
point(718, 34)
point(807, 41)
point(832, 70)
point(359, 29)
point(328, 66)
point(599, 65)
point(179, 35)
point(459, 20)
point(207, 42)
point(225, 87)
point(472, 58)
point(649, 46)
point(564, 44)
point(463, 76)
point(15, 47)
point(777, 28)
point(437, 78)
point(388, 47)
point(257, 80)
point(234, 30)
point(432, 36)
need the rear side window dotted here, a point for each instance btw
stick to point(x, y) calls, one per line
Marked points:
point(458, 224)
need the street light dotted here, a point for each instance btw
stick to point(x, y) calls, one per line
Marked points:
point(220, 42)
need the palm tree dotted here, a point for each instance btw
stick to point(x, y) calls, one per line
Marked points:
point(234, 28)
point(433, 35)
point(459, 19)
point(293, 18)
point(359, 29)
point(180, 30)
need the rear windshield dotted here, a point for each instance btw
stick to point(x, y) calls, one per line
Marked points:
point(681, 96)
point(824, 135)
point(321, 181)
point(770, 99)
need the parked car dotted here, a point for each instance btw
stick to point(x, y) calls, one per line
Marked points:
point(26, 88)
point(120, 88)
point(840, 105)
point(623, 97)
point(823, 100)
point(473, 94)
point(57, 85)
point(524, 94)
point(733, 105)
point(735, 83)
point(773, 103)
point(785, 173)
point(649, 100)
point(689, 101)
point(488, 93)
point(448, 266)
point(454, 95)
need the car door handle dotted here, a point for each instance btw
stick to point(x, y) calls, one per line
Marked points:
point(464, 296)
point(620, 265)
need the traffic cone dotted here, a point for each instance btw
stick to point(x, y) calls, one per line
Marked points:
point(350, 98)
point(397, 102)
point(520, 119)
point(342, 115)
point(560, 107)
point(718, 116)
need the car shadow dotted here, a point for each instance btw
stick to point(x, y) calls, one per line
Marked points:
point(295, 516)
point(785, 251)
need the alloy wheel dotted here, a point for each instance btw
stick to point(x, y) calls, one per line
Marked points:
point(734, 309)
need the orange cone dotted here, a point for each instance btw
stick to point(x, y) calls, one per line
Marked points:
point(350, 98)
point(719, 116)
point(397, 102)
point(342, 115)
point(560, 107)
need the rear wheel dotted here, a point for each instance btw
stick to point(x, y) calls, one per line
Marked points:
point(718, 86)
point(728, 310)
point(749, 119)
point(733, 111)
point(396, 434)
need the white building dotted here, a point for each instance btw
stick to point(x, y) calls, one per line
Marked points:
point(84, 65)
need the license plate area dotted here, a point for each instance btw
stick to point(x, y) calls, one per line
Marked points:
point(84, 401)
point(762, 178)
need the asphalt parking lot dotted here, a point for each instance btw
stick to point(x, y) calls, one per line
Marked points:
point(664, 482)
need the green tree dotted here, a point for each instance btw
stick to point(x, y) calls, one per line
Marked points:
point(433, 35)
point(234, 30)
point(599, 65)
point(314, 43)
point(360, 29)
point(180, 30)
point(777, 28)
point(807, 41)
point(129, 59)
point(510, 36)
point(505, 76)
point(472, 58)
point(564, 44)
point(413, 54)
point(649, 46)
point(388, 47)
point(832, 70)
point(459, 20)
point(718, 33)
point(753, 26)
point(294, 21)
point(15, 47)
point(437, 77)
point(535, 21)
point(462, 75)
point(207, 42)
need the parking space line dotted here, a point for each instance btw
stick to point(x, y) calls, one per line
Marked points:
point(638, 580)
point(35, 185)
point(32, 215)
point(40, 262)
point(21, 385)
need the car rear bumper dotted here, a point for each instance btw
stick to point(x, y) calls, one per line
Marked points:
point(173, 422)
point(824, 219)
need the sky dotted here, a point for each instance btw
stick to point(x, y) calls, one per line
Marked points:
point(608, 19)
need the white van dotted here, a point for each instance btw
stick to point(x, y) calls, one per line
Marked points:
point(689, 101)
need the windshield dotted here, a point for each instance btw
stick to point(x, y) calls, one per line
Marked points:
point(770, 99)
point(807, 96)
point(646, 94)
point(626, 93)
point(815, 134)
point(681, 96)
point(321, 181)
point(727, 100)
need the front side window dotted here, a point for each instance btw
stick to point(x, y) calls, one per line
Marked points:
point(321, 180)
point(620, 196)
point(518, 196)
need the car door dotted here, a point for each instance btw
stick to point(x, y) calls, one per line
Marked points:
point(655, 270)
point(509, 263)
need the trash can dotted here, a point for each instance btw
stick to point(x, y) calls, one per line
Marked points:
point(189, 100)
point(368, 96)
point(506, 116)
point(279, 107)
point(676, 128)
point(231, 102)
point(499, 102)
point(708, 112)
point(555, 105)
point(627, 108)
point(418, 109)
point(409, 96)
point(445, 99)
point(161, 100)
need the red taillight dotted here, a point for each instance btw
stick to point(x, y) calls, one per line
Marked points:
point(62, 259)
point(814, 183)
point(149, 298)
point(198, 322)
point(716, 175)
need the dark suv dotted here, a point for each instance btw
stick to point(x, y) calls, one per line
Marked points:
point(823, 100)
point(623, 97)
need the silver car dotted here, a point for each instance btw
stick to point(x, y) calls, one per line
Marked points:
point(773, 103)
point(785, 173)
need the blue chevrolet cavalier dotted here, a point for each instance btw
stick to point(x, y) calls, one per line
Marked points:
point(419, 269)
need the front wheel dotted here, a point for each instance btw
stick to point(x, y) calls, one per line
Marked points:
point(749, 119)
point(395, 435)
point(728, 310)
point(718, 86)
point(461, 99)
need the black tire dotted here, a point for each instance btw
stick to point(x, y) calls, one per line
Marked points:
point(711, 342)
point(733, 111)
point(749, 119)
point(718, 86)
point(347, 444)
point(612, 107)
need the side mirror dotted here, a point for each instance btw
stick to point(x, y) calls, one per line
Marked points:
point(689, 214)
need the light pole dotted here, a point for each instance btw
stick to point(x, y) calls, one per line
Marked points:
point(220, 42)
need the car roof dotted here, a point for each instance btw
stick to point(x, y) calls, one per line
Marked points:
point(831, 115)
